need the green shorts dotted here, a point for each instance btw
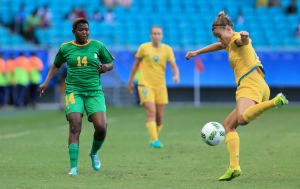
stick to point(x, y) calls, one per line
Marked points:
point(91, 102)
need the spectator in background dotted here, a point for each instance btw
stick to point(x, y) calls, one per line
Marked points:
point(240, 18)
point(298, 31)
point(261, 3)
point(110, 4)
point(125, 3)
point(31, 23)
point(21, 73)
point(19, 19)
point(81, 13)
point(35, 76)
point(72, 15)
point(11, 81)
point(274, 3)
point(109, 16)
point(45, 15)
point(97, 16)
point(2, 81)
point(292, 8)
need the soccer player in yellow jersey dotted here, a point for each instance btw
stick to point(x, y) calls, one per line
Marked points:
point(252, 94)
point(152, 85)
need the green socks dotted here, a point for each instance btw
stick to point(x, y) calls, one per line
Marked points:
point(73, 152)
point(74, 148)
point(96, 146)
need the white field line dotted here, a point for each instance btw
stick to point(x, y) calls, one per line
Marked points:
point(14, 135)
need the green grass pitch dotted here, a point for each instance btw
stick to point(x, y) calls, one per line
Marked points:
point(34, 153)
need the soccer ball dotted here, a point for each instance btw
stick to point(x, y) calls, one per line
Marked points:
point(213, 133)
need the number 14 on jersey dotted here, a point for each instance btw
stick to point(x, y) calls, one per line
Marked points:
point(83, 61)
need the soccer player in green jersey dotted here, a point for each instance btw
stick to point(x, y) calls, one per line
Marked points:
point(83, 88)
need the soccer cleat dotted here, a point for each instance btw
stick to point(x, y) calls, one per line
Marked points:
point(231, 173)
point(156, 144)
point(73, 171)
point(96, 164)
point(280, 100)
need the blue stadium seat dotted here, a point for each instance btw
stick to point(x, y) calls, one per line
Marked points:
point(180, 19)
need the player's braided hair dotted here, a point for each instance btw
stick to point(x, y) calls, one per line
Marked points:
point(222, 20)
point(79, 21)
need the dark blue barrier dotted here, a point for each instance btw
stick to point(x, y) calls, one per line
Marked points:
point(282, 69)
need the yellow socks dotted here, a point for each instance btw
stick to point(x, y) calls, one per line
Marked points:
point(254, 111)
point(233, 145)
point(159, 128)
point(152, 130)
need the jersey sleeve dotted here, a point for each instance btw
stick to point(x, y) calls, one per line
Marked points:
point(171, 57)
point(105, 56)
point(140, 53)
point(59, 59)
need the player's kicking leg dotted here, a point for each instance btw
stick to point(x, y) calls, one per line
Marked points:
point(280, 100)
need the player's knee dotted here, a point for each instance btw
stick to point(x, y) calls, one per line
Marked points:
point(100, 132)
point(151, 114)
point(241, 120)
point(101, 128)
point(75, 126)
point(158, 122)
point(75, 129)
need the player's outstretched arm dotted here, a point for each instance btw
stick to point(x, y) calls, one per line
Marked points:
point(244, 40)
point(175, 71)
point(132, 74)
point(51, 73)
point(105, 67)
point(210, 48)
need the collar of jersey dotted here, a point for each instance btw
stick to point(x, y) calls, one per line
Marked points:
point(73, 42)
point(231, 41)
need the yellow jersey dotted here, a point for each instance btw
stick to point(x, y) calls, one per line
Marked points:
point(243, 59)
point(154, 64)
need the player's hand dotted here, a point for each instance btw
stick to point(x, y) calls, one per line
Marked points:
point(130, 87)
point(244, 34)
point(190, 54)
point(102, 68)
point(42, 88)
point(176, 79)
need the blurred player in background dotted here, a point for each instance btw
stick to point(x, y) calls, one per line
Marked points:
point(60, 78)
point(136, 79)
point(152, 85)
point(3, 83)
point(21, 74)
point(11, 81)
point(83, 88)
point(252, 94)
point(35, 77)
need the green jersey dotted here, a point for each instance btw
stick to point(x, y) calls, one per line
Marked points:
point(83, 64)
